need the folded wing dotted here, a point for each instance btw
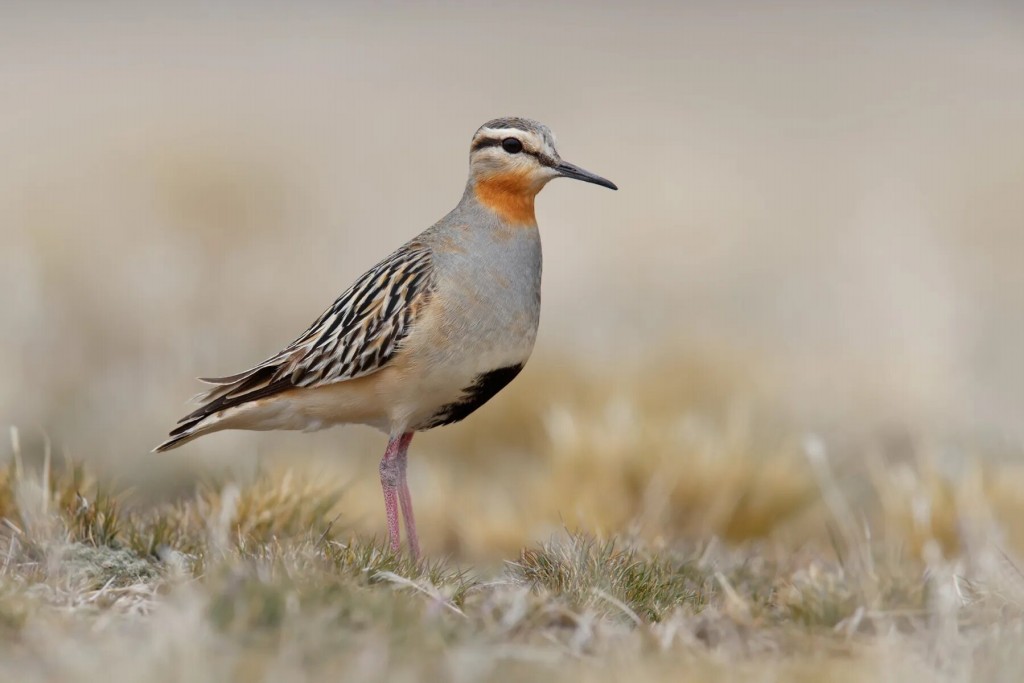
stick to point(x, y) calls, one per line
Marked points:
point(358, 335)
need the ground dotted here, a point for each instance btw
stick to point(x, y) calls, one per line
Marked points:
point(701, 544)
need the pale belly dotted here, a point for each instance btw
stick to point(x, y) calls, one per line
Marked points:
point(463, 395)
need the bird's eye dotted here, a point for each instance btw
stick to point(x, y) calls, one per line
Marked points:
point(512, 146)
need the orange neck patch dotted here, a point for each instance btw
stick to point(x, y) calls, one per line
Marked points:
point(510, 195)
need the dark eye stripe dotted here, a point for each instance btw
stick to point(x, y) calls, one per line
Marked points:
point(496, 142)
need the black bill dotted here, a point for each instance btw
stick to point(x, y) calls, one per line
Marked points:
point(568, 170)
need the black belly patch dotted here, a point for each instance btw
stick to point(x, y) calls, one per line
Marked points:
point(478, 393)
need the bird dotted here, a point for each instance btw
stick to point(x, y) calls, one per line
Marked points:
point(425, 337)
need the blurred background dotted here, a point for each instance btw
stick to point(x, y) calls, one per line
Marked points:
point(819, 231)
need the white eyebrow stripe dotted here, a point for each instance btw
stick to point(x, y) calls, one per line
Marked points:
point(505, 133)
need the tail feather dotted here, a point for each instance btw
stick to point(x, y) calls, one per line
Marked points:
point(180, 436)
point(229, 392)
point(230, 379)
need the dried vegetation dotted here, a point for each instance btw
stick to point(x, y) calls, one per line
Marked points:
point(692, 548)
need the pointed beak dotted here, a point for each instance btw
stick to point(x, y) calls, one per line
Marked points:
point(567, 170)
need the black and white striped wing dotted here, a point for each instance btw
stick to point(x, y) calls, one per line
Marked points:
point(358, 335)
point(364, 327)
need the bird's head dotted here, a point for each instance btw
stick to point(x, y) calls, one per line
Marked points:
point(511, 160)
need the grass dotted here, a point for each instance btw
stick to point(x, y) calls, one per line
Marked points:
point(891, 571)
point(585, 572)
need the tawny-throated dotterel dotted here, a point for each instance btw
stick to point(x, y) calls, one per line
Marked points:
point(426, 336)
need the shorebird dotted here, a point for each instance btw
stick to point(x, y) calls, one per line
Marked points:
point(425, 337)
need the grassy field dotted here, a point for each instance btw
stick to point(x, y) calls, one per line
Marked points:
point(772, 428)
point(665, 546)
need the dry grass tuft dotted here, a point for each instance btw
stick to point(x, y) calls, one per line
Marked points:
point(586, 573)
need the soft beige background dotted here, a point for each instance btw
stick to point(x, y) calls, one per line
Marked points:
point(830, 191)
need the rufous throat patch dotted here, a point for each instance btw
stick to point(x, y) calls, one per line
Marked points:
point(510, 195)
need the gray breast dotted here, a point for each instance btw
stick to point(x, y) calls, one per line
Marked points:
point(488, 278)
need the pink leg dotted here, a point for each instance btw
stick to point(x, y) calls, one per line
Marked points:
point(396, 489)
point(406, 498)
point(390, 477)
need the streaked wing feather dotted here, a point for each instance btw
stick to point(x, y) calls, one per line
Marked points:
point(360, 333)
point(356, 336)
